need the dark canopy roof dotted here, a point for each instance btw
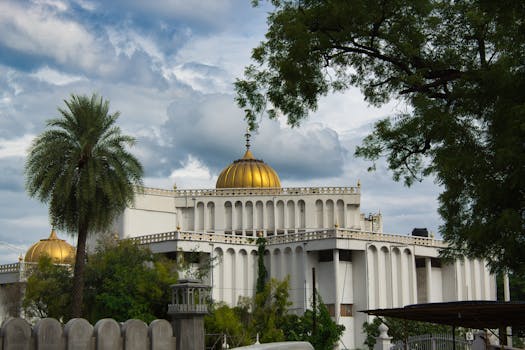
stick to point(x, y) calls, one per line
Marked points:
point(470, 314)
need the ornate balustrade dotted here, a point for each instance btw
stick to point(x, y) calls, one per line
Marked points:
point(250, 191)
point(7, 268)
point(308, 235)
point(185, 308)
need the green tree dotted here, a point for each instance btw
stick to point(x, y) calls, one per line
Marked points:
point(270, 310)
point(46, 293)
point(125, 281)
point(82, 169)
point(457, 65)
point(327, 334)
point(262, 274)
point(223, 319)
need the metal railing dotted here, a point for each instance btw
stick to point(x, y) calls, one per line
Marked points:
point(433, 342)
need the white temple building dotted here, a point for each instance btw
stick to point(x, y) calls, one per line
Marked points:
point(357, 266)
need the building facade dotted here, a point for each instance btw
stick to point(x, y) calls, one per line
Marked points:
point(307, 229)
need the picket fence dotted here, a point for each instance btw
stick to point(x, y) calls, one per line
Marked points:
point(79, 334)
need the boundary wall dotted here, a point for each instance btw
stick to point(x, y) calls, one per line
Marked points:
point(79, 334)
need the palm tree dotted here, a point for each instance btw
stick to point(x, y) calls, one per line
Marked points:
point(81, 167)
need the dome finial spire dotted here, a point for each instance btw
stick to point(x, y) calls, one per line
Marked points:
point(247, 136)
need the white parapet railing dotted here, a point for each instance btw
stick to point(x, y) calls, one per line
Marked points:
point(22, 269)
point(187, 308)
point(249, 191)
point(9, 268)
point(307, 235)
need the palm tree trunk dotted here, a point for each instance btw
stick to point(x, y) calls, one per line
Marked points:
point(78, 277)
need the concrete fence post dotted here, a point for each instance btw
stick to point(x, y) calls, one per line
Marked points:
point(48, 335)
point(161, 335)
point(79, 335)
point(107, 335)
point(135, 335)
point(16, 335)
point(383, 341)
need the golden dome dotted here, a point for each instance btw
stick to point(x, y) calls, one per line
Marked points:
point(248, 172)
point(57, 249)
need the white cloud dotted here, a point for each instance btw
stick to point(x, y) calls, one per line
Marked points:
point(128, 41)
point(15, 147)
point(204, 11)
point(86, 5)
point(53, 4)
point(36, 31)
point(55, 77)
point(227, 51)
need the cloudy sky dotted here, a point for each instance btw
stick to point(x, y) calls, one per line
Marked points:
point(168, 67)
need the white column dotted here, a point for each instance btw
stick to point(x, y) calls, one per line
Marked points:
point(506, 297)
point(285, 216)
point(414, 279)
point(297, 212)
point(244, 217)
point(393, 275)
point(460, 283)
point(205, 215)
point(275, 220)
point(263, 219)
point(468, 280)
point(405, 292)
point(325, 215)
point(337, 298)
point(428, 273)
point(305, 276)
point(194, 214)
point(381, 269)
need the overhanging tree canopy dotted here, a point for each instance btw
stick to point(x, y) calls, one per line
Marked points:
point(458, 65)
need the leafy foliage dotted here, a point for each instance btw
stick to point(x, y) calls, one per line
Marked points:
point(267, 315)
point(125, 281)
point(327, 332)
point(457, 65)
point(47, 292)
point(270, 310)
point(81, 167)
point(262, 274)
point(225, 320)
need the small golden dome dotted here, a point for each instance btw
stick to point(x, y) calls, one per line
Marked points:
point(57, 249)
point(248, 172)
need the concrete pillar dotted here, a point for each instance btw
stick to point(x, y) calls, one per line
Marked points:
point(305, 274)
point(337, 297)
point(383, 341)
point(506, 296)
point(428, 274)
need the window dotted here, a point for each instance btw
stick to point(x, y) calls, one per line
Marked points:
point(346, 310)
point(325, 255)
point(331, 309)
point(345, 255)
